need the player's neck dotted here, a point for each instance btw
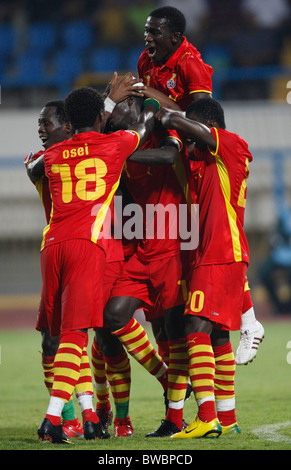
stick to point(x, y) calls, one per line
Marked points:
point(85, 129)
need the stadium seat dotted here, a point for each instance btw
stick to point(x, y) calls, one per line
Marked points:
point(105, 59)
point(77, 35)
point(42, 37)
point(67, 66)
point(30, 70)
point(7, 40)
point(132, 58)
point(3, 65)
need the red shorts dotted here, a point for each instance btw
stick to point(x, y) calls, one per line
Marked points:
point(73, 277)
point(145, 280)
point(247, 302)
point(113, 271)
point(41, 321)
point(216, 292)
point(155, 311)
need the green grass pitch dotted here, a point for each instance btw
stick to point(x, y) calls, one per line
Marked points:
point(263, 400)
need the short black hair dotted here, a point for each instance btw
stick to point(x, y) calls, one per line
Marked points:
point(207, 109)
point(60, 110)
point(83, 105)
point(175, 19)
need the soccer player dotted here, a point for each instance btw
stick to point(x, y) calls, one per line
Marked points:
point(54, 127)
point(175, 74)
point(145, 275)
point(83, 174)
point(170, 66)
point(216, 288)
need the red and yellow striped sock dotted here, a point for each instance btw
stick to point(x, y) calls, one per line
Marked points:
point(201, 371)
point(84, 389)
point(224, 384)
point(84, 384)
point(163, 350)
point(48, 371)
point(69, 412)
point(100, 378)
point(177, 380)
point(119, 375)
point(135, 340)
point(66, 371)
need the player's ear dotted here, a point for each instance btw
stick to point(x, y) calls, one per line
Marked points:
point(176, 38)
point(69, 128)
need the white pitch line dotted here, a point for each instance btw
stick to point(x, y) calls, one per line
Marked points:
point(270, 432)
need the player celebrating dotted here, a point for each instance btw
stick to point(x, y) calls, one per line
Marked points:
point(54, 127)
point(145, 275)
point(176, 75)
point(220, 261)
point(82, 171)
point(171, 65)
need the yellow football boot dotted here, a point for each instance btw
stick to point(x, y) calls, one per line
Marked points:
point(231, 429)
point(200, 429)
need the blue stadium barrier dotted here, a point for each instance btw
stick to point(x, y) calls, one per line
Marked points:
point(77, 36)
point(42, 37)
point(7, 40)
point(105, 59)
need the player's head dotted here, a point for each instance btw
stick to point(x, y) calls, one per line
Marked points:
point(124, 114)
point(53, 124)
point(84, 107)
point(164, 31)
point(208, 111)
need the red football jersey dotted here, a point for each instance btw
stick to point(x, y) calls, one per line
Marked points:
point(220, 179)
point(42, 186)
point(184, 73)
point(165, 188)
point(84, 174)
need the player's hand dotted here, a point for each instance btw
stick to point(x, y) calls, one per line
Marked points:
point(164, 116)
point(123, 87)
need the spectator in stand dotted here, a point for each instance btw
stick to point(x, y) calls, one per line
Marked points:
point(110, 23)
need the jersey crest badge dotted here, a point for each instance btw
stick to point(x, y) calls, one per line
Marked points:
point(172, 82)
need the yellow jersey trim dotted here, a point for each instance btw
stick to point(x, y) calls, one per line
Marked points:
point(200, 91)
point(138, 136)
point(180, 173)
point(226, 191)
point(45, 230)
point(102, 213)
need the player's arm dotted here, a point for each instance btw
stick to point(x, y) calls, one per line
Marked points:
point(35, 168)
point(146, 120)
point(192, 129)
point(200, 94)
point(166, 154)
point(163, 99)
